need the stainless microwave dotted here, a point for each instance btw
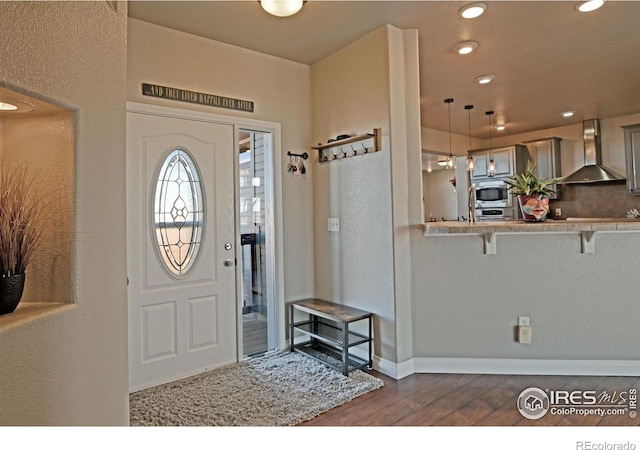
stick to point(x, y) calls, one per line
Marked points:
point(493, 194)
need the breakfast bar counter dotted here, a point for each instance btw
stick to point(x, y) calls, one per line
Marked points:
point(586, 227)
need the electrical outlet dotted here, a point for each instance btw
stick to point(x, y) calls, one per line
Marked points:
point(333, 224)
point(558, 212)
point(524, 334)
point(523, 321)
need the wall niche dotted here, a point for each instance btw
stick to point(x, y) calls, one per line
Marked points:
point(41, 135)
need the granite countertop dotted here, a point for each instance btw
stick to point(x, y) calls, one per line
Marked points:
point(518, 226)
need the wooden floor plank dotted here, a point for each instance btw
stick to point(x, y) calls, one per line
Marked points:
point(446, 405)
point(417, 401)
point(566, 384)
point(469, 400)
point(485, 405)
point(506, 413)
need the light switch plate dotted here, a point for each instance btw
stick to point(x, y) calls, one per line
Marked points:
point(523, 321)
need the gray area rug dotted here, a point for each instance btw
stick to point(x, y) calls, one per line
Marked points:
point(280, 389)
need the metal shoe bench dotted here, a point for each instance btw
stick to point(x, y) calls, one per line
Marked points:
point(329, 339)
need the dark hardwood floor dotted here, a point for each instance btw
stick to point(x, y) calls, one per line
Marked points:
point(470, 400)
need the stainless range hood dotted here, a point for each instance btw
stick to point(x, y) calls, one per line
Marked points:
point(593, 171)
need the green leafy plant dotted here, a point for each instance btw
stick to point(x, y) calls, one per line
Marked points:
point(23, 218)
point(528, 183)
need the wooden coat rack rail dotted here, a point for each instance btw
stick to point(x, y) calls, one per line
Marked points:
point(346, 148)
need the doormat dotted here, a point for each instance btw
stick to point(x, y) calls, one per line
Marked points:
point(280, 389)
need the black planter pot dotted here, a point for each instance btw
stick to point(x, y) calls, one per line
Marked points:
point(10, 292)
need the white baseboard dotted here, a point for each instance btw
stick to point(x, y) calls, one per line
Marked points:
point(527, 366)
point(507, 367)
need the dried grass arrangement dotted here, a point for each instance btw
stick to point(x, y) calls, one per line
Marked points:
point(23, 217)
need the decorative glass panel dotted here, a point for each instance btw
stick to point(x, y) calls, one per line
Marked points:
point(178, 212)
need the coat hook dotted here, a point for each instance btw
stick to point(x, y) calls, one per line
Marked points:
point(304, 155)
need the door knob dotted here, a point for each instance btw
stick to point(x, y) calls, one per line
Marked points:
point(228, 262)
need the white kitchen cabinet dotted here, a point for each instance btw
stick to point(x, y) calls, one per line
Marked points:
point(508, 161)
point(632, 151)
point(545, 156)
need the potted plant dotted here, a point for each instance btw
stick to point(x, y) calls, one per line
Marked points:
point(22, 220)
point(533, 193)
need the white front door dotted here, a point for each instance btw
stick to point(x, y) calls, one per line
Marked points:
point(181, 248)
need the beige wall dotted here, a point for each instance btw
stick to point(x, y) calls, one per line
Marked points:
point(440, 198)
point(46, 143)
point(355, 266)
point(70, 367)
point(281, 92)
point(358, 88)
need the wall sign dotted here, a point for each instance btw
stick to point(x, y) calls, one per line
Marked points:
point(199, 98)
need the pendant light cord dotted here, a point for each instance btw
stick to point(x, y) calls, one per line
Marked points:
point(469, 108)
point(470, 162)
point(491, 169)
point(448, 101)
point(490, 113)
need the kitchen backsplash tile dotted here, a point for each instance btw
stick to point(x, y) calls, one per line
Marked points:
point(608, 199)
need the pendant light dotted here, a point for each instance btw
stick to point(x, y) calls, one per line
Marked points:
point(491, 170)
point(282, 8)
point(450, 160)
point(471, 164)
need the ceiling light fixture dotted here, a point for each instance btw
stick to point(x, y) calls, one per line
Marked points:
point(567, 114)
point(450, 161)
point(472, 10)
point(500, 127)
point(485, 79)
point(7, 106)
point(282, 8)
point(464, 48)
point(471, 164)
point(10, 105)
point(491, 171)
point(590, 5)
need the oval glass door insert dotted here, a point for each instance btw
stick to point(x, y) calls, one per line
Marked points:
point(178, 213)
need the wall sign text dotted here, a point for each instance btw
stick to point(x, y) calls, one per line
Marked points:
point(199, 98)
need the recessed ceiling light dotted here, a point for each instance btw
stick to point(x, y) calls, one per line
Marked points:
point(464, 48)
point(472, 10)
point(567, 114)
point(7, 106)
point(590, 5)
point(500, 127)
point(485, 79)
point(10, 104)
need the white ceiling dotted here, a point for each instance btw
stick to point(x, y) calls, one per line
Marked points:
point(546, 57)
